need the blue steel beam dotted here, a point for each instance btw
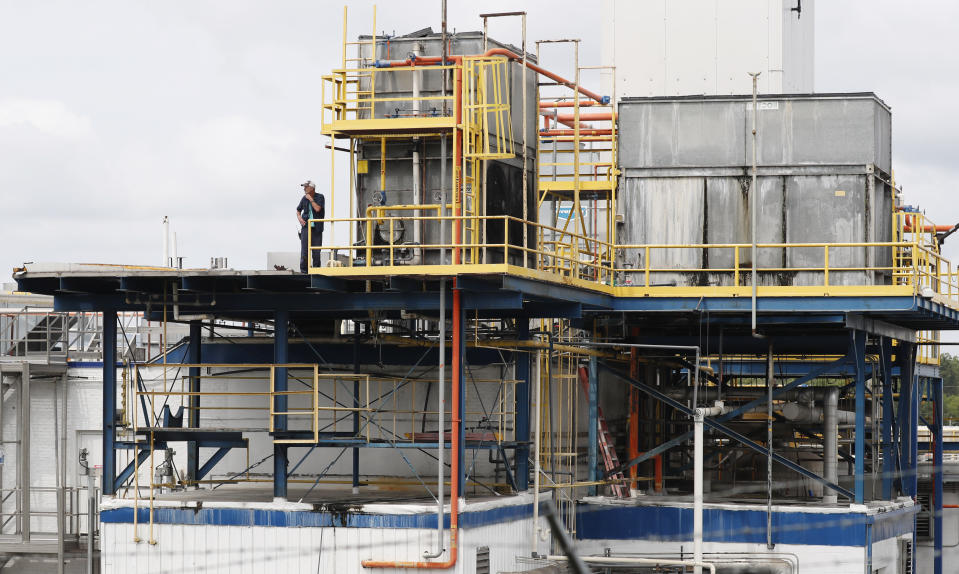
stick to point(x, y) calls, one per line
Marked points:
point(127, 472)
point(521, 392)
point(676, 441)
point(109, 344)
point(211, 462)
point(280, 357)
point(857, 350)
point(889, 452)
point(715, 424)
point(193, 414)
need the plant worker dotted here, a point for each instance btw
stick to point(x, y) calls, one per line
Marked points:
point(312, 206)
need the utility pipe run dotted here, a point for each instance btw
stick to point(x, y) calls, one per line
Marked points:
point(431, 60)
point(926, 228)
point(440, 428)
point(753, 192)
point(454, 456)
point(630, 560)
point(417, 192)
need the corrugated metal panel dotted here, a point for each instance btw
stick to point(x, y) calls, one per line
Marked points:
point(253, 550)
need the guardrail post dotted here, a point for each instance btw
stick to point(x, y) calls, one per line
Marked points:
point(279, 399)
point(825, 266)
point(356, 406)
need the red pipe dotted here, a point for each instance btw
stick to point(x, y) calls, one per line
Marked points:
point(548, 105)
point(588, 132)
point(430, 60)
point(587, 117)
point(926, 228)
point(454, 461)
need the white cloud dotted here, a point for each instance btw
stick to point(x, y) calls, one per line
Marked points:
point(239, 152)
point(48, 116)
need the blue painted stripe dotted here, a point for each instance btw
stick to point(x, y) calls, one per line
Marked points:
point(296, 519)
point(664, 523)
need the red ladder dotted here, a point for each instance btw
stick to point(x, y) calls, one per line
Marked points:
point(610, 460)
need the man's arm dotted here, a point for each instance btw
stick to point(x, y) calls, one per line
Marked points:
point(300, 218)
point(318, 206)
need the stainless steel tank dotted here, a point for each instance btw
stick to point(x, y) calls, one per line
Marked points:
point(500, 190)
point(823, 165)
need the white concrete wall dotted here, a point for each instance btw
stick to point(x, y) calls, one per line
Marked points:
point(240, 550)
point(686, 47)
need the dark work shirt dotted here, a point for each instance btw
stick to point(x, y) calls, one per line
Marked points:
point(306, 211)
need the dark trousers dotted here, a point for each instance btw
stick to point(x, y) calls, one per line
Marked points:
point(317, 241)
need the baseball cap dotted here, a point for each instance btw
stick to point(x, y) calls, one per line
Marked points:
point(308, 183)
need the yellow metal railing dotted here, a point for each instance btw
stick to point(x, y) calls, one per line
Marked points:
point(381, 242)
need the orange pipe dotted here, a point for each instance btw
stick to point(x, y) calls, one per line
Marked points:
point(926, 228)
point(950, 505)
point(454, 459)
point(658, 477)
point(583, 117)
point(457, 416)
point(430, 60)
point(548, 105)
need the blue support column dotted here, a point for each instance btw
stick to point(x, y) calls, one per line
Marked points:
point(592, 450)
point(521, 456)
point(858, 353)
point(936, 385)
point(280, 357)
point(193, 418)
point(109, 343)
point(888, 414)
point(356, 405)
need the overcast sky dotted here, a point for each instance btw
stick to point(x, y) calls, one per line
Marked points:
point(116, 113)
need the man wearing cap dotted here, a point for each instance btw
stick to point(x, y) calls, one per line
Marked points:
point(312, 206)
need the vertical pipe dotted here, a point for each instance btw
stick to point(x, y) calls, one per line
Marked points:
point(23, 448)
point(193, 414)
point(440, 424)
point(166, 241)
point(753, 192)
point(859, 356)
point(830, 436)
point(443, 197)
point(281, 322)
point(459, 314)
point(698, 490)
point(109, 342)
point(592, 449)
point(91, 512)
point(522, 362)
point(770, 382)
point(59, 485)
point(356, 405)
point(417, 191)
point(525, 191)
point(937, 473)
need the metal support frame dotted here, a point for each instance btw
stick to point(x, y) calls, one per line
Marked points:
point(356, 405)
point(521, 392)
point(193, 415)
point(677, 440)
point(280, 357)
point(215, 458)
point(109, 344)
point(716, 424)
point(890, 454)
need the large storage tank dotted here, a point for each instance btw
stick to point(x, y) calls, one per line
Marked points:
point(823, 163)
point(501, 190)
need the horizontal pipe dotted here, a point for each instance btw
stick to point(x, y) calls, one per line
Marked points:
point(582, 132)
point(430, 60)
point(632, 560)
point(566, 118)
point(584, 103)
